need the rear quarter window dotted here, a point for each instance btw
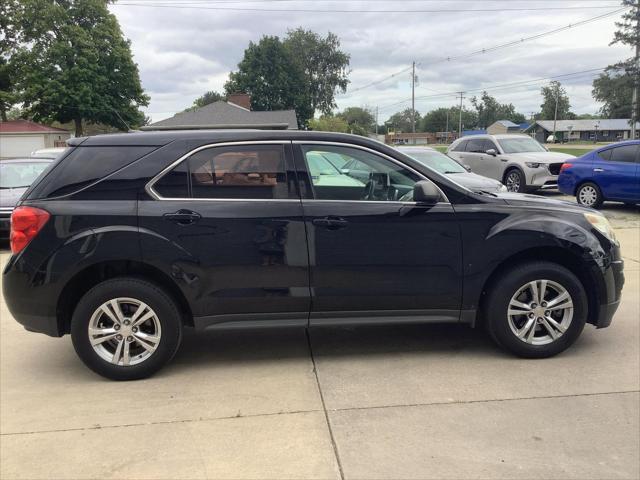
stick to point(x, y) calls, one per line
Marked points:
point(84, 166)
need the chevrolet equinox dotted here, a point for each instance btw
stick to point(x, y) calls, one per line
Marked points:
point(129, 238)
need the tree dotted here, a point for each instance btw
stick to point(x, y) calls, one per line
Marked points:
point(75, 64)
point(8, 87)
point(273, 80)
point(329, 123)
point(360, 120)
point(436, 120)
point(324, 66)
point(614, 87)
point(489, 110)
point(401, 121)
point(548, 108)
point(208, 97)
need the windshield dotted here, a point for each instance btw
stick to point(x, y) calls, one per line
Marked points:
point(20, 175)
point(436, 160)
point(520, 145)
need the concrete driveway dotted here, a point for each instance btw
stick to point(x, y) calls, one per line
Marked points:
point(382, 402)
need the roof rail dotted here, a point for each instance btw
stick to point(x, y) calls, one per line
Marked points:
point(239, 126)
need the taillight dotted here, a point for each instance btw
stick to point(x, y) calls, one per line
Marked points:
point(565, 166)
point(26, 222)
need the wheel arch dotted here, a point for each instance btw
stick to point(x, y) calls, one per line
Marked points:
point(513, 166)
point(561, 256)
point(98, 272)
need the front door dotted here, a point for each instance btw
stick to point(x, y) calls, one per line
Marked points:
point(615, 171)
point(374, 253)
point(480, 162)
point(227, 225)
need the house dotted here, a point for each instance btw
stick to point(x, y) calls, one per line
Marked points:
point(594, 130)
point(503, 126)
point(18, 138)
point(234, 113)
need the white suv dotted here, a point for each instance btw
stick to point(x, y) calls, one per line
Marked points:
point(518, 161)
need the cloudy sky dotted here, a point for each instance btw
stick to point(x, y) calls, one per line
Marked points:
point(186, 47)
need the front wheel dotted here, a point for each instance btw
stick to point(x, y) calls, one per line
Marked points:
point(515, 181)
point(126, 328)
point(536, 310)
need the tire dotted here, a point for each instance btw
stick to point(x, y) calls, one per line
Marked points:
point(515, 181)
point(589, 195)
point(148, 345)
point(537, 341)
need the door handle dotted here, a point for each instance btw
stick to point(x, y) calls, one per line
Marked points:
point(183, 217)
point(331, 222)
point(598, 169)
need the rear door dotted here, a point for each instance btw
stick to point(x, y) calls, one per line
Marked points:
point(226, 223)
point(374, 253)
point(615, 172)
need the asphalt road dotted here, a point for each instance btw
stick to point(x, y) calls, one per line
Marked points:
point(435, 401)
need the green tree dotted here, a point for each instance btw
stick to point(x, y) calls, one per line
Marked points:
point(401, 121)
point(208, 97)
point(489, 110)
point(324, 66)
point(273, 80)
point(360, 120)
point(436, 120)
point(75, 64)
point(548, 108)
point(329, 123)
point(9, 95)
point(614, 87)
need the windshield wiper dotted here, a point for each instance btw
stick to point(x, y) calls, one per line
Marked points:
point(485, 192)
point(17, 186)
point(450, 171)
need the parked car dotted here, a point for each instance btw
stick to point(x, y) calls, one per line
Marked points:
point(130, 238)
point(608, 173)
point(518, 161)
point(51, 153)
point(16, 175)
point(448, 166)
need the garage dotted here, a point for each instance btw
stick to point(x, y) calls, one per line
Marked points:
point(18, 138)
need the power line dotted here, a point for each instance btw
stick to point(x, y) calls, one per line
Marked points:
point(495, 47)
point(333, 10)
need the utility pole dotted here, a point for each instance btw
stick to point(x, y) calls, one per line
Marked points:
point(636, 74)
point(460, 117)
point(413, 97)
point(555, 114)
point(446, 135)
point(376, 120)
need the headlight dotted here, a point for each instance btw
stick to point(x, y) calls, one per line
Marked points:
point(601, 224)
point(532, 164)
point(502, 188)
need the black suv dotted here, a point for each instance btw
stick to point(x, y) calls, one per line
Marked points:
point(129, 238)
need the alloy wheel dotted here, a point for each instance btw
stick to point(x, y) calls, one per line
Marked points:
point(124, 331)
point(540, 312)
point(588, 196)
point(513, 181)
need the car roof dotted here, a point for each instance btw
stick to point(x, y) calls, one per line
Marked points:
point(617, 144)
point(163, 137)
point(409, 148)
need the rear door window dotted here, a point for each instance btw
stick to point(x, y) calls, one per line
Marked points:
point(625, 153)
point(84, 166)
point(476, 145)
point(234, 172)
point(460, 147)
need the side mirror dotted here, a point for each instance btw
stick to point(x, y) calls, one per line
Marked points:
point(426, 192)
point(491, 152)
point(467, 168)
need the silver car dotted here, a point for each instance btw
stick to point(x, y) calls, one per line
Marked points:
point(448, 166)
point(518, 161)
point(16, 175)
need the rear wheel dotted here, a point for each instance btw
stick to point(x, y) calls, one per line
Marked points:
point(126, 328)
point(536, 310)
point(589, 195)
point(515, 181)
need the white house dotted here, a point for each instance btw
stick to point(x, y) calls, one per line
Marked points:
point(18, 138)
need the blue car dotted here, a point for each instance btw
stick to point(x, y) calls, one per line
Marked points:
point(608, 173)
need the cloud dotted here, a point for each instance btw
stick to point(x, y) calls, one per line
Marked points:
point(181, 52)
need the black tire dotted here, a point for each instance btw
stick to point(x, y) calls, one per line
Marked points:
point(166, 313)
point(515, 180)
point(594, 192)
point(499, 297)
